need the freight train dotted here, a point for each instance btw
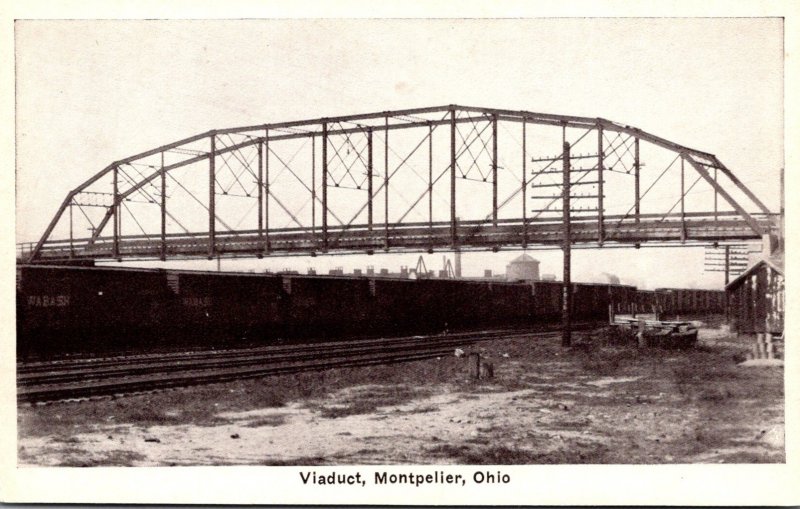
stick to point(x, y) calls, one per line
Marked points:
point(95, 310)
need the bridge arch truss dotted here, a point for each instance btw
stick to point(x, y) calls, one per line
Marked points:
point(448, 177)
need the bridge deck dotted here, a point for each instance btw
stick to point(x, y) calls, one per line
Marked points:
point(413, 236)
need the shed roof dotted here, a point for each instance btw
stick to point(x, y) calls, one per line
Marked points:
point(775, 260)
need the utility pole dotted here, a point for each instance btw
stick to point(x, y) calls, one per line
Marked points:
point(727, 265)
point(566, 310)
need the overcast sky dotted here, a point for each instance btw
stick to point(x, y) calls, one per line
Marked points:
point(91, 92)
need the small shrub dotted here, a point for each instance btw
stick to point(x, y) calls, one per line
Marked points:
point(269, 420)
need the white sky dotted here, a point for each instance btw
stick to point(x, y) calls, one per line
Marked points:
point(91, 92)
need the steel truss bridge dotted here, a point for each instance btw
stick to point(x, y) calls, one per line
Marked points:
point(440, 178)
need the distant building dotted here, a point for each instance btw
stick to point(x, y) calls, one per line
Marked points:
point(548, 277)
point(523, 267)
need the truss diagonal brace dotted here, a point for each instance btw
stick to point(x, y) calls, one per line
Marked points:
point(741, 186)
point(704, 173)
point(155, 174)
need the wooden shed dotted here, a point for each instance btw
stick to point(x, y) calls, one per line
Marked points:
point(756, 298)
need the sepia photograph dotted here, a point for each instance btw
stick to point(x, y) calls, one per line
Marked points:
point(424, 251)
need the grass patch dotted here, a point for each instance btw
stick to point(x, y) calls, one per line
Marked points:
point(608, 361)
point(715, 394)
point(343, 458)
point(268, 420)
point(450, 450)
point(752, 457)
point(65, 439)
point(367, 451)
point(111, 459)
point(419, 410)
point(370, 399)
point(705, 380)
point(310, 461)
point(496, 384)
point(200, 405)
point(503, 455)
point(358, 407)
point(575, 425)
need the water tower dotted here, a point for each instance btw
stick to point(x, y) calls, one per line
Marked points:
point(523, 267)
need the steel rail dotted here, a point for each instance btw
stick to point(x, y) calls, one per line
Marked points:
point(211, 362)
point(73, 385)
point(93, 363)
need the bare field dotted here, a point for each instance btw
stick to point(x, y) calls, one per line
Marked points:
point(597, 402)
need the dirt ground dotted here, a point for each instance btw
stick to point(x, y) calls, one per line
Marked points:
point(597, 402)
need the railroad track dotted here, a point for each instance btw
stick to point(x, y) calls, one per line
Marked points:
point(81, 378)
point(26, 369)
